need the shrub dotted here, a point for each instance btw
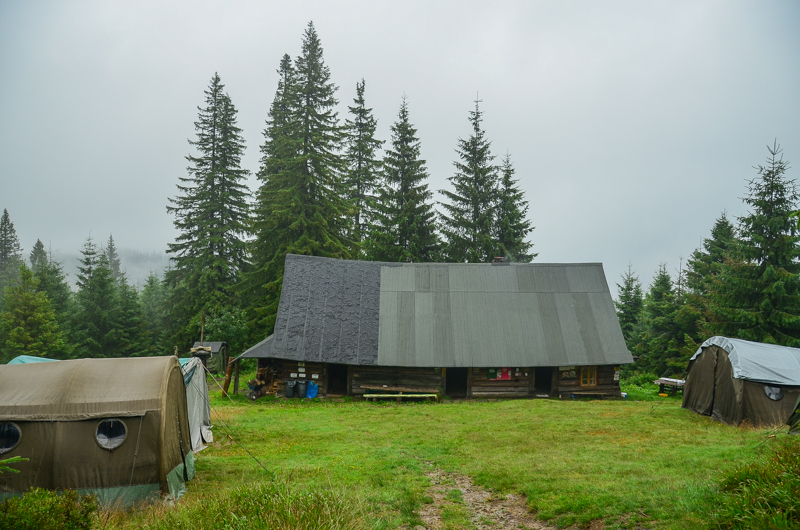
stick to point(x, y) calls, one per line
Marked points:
point(764, 493)
point(40, 509)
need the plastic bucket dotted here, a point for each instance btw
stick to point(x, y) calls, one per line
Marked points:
point(302, 387)
point(290, 384)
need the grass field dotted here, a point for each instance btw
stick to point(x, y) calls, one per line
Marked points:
point(639, 462)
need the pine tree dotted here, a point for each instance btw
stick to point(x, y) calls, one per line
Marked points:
point(211, 214)
point(512, 226)
point(468, 224)
point(363, 167)
point(96, 324)
point(153, 301)
point(29, 324)
point(10, 254)
point(113, 259)
point(403, 227)
point(52, 281)
point(756, 294)
point(301, 207)
point(630, 304)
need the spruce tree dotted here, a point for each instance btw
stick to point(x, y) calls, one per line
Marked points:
point(658, 341)
point(10, 254)
point(153, 301)
point(403, 226)
point(96, 325)
point(705, 263)
point(512, 225)
point(468, 224)
point(630, 304)
point(211, 214)
point(301, 206)
point(52, 281)
point(363, 166)
point(132, 337)
point(756, 294)
point(113, 259)
point(28, 324)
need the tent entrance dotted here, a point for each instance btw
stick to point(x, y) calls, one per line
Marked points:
point(337, 379)
point(456, 382)
point(543, 380)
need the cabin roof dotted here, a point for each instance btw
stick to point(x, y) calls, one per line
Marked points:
point(444, 314)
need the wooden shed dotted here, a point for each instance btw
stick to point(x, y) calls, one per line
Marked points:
point(465, 330)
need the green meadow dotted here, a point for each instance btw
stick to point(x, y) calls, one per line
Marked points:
point(641, 462)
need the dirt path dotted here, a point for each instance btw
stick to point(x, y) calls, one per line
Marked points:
point(485, 510)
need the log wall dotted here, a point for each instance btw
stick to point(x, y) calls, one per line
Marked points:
point(569, 382)
point(519, 385)
point(304, 370)
point(423, 379)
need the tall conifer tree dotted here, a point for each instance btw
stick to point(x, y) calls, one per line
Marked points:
point(96, 323)
point(10, 254)
point(52, 281)
point(301, 207)
point(403, 226)
point(113, 259)
point(363, 166)
point(756, 295)
point(468, 224)
point(512, 225)
point(29, 325)
point(211, 214)
point(630, 304)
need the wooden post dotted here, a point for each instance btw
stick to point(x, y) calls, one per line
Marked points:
point(236, 379)
point(227, 382)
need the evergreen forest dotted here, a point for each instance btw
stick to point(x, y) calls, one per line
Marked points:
point(326, 186)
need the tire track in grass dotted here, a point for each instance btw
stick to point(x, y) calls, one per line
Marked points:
point(459, 503)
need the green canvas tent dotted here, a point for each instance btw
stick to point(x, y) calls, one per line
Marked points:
point(734, 380)
point(117, 428)
point(794, 421)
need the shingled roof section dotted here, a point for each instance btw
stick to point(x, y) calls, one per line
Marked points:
point(444, 314)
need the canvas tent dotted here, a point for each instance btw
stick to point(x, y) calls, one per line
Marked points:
point(470, 329)
point(734, 380)
point(197, 404)
point(117, 428)
point(794, 420)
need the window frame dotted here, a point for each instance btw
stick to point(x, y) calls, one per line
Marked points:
point(97, 441)
point(588, 373)
point(19, 440)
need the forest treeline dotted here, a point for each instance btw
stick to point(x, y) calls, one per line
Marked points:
point(326, 187)
point(743, 283)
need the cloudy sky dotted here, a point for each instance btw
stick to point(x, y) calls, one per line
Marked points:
point(632, 125)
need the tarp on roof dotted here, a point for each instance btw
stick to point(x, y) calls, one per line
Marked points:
point(444, 315)
point(26, 359)
point(761, 363)
point(83, 388)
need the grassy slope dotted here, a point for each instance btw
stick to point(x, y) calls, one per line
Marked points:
point(631, 463)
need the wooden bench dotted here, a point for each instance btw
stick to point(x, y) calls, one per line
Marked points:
point(400, 392)
point(668, 385)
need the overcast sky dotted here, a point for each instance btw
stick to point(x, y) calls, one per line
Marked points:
point(632, 125)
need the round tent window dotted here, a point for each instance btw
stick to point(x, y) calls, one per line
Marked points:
point(10, 435)
point(774, 392)
point(111, 433)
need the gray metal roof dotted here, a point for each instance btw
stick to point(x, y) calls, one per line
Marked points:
point(215, 346)
point(444, 314)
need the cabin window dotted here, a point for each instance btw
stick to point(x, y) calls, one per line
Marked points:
point(110, 434)
point(589, 376)
point(10, 435)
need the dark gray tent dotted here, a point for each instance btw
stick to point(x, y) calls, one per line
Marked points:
point(794, 421)
point(734, 380)
point(117, 428)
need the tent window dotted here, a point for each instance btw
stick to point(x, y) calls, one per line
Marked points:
point(589, 376)
point(111, 434)
point(775, 393)
point(10, 435)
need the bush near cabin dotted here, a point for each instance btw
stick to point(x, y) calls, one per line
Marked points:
point(41, 509)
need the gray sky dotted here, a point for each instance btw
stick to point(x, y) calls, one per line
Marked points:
point(632, 125)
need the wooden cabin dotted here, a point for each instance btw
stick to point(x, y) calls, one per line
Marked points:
point(464, 330)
